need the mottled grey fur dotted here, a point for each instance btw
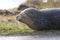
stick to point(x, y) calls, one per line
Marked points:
point(41, 19)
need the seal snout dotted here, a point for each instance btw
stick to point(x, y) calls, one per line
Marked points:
point(17, 18)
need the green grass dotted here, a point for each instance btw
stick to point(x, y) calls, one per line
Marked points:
point(9, 25)
point(13, 27)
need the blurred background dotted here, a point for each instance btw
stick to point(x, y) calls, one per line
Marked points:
point(15, 6)
point(9, 9)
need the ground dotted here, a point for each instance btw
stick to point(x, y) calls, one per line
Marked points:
point(9, 25)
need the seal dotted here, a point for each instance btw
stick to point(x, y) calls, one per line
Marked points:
point(43, 19)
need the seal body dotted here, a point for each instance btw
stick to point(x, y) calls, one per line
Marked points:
point(46, 19)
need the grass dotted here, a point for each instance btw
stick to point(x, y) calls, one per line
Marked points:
point(12, 26)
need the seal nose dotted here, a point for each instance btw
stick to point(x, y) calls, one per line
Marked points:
point(17, 18)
